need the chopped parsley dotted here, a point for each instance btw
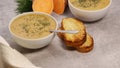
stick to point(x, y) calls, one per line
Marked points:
point(88, 3)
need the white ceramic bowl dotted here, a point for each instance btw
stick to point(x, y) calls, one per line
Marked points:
point(32, 43)
point(87, 15)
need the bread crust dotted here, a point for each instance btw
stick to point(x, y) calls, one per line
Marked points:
point(87, 45)
point(82, 41)
point(75, 44)
point(60, 35)
point(74, 24)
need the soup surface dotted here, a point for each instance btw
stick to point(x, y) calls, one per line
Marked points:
point(33, 26)
point(90, 4)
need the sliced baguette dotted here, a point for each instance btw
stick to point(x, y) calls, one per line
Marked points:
point(74, 24)
point(87, 45)
point(60, 35)
point(82, 41)
point(75, 44)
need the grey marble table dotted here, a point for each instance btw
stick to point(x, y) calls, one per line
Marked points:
point(106, 33)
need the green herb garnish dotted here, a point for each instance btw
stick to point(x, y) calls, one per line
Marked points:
point(81, 1)
point(25, 28)
point(45, 23)
point(24, 6)
point(88, 3)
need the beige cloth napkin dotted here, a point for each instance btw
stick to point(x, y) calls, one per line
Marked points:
point(11, 58)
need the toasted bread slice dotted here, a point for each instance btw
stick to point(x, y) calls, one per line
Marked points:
point(87, 45)
point(73, 24)
point(60, 35)
point(70, 44)
point(75, 44)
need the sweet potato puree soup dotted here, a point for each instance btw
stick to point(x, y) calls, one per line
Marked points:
point(90, 4)
point(33, 26)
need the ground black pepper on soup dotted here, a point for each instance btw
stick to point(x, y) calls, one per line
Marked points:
point(90, 4)
point(33, 26)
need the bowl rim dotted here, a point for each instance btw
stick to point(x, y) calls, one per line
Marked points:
point(90, 10)
point(25, 13)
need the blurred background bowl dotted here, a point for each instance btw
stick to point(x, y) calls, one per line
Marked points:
point(88, 15)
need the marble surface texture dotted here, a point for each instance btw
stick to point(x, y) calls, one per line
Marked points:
point(106, 34)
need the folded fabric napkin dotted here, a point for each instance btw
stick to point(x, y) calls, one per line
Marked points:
point(11, 58)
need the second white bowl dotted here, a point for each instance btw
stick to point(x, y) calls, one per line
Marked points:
point(87, 15)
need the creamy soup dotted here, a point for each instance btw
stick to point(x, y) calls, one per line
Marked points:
point(33, 26)
point(90, 4)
